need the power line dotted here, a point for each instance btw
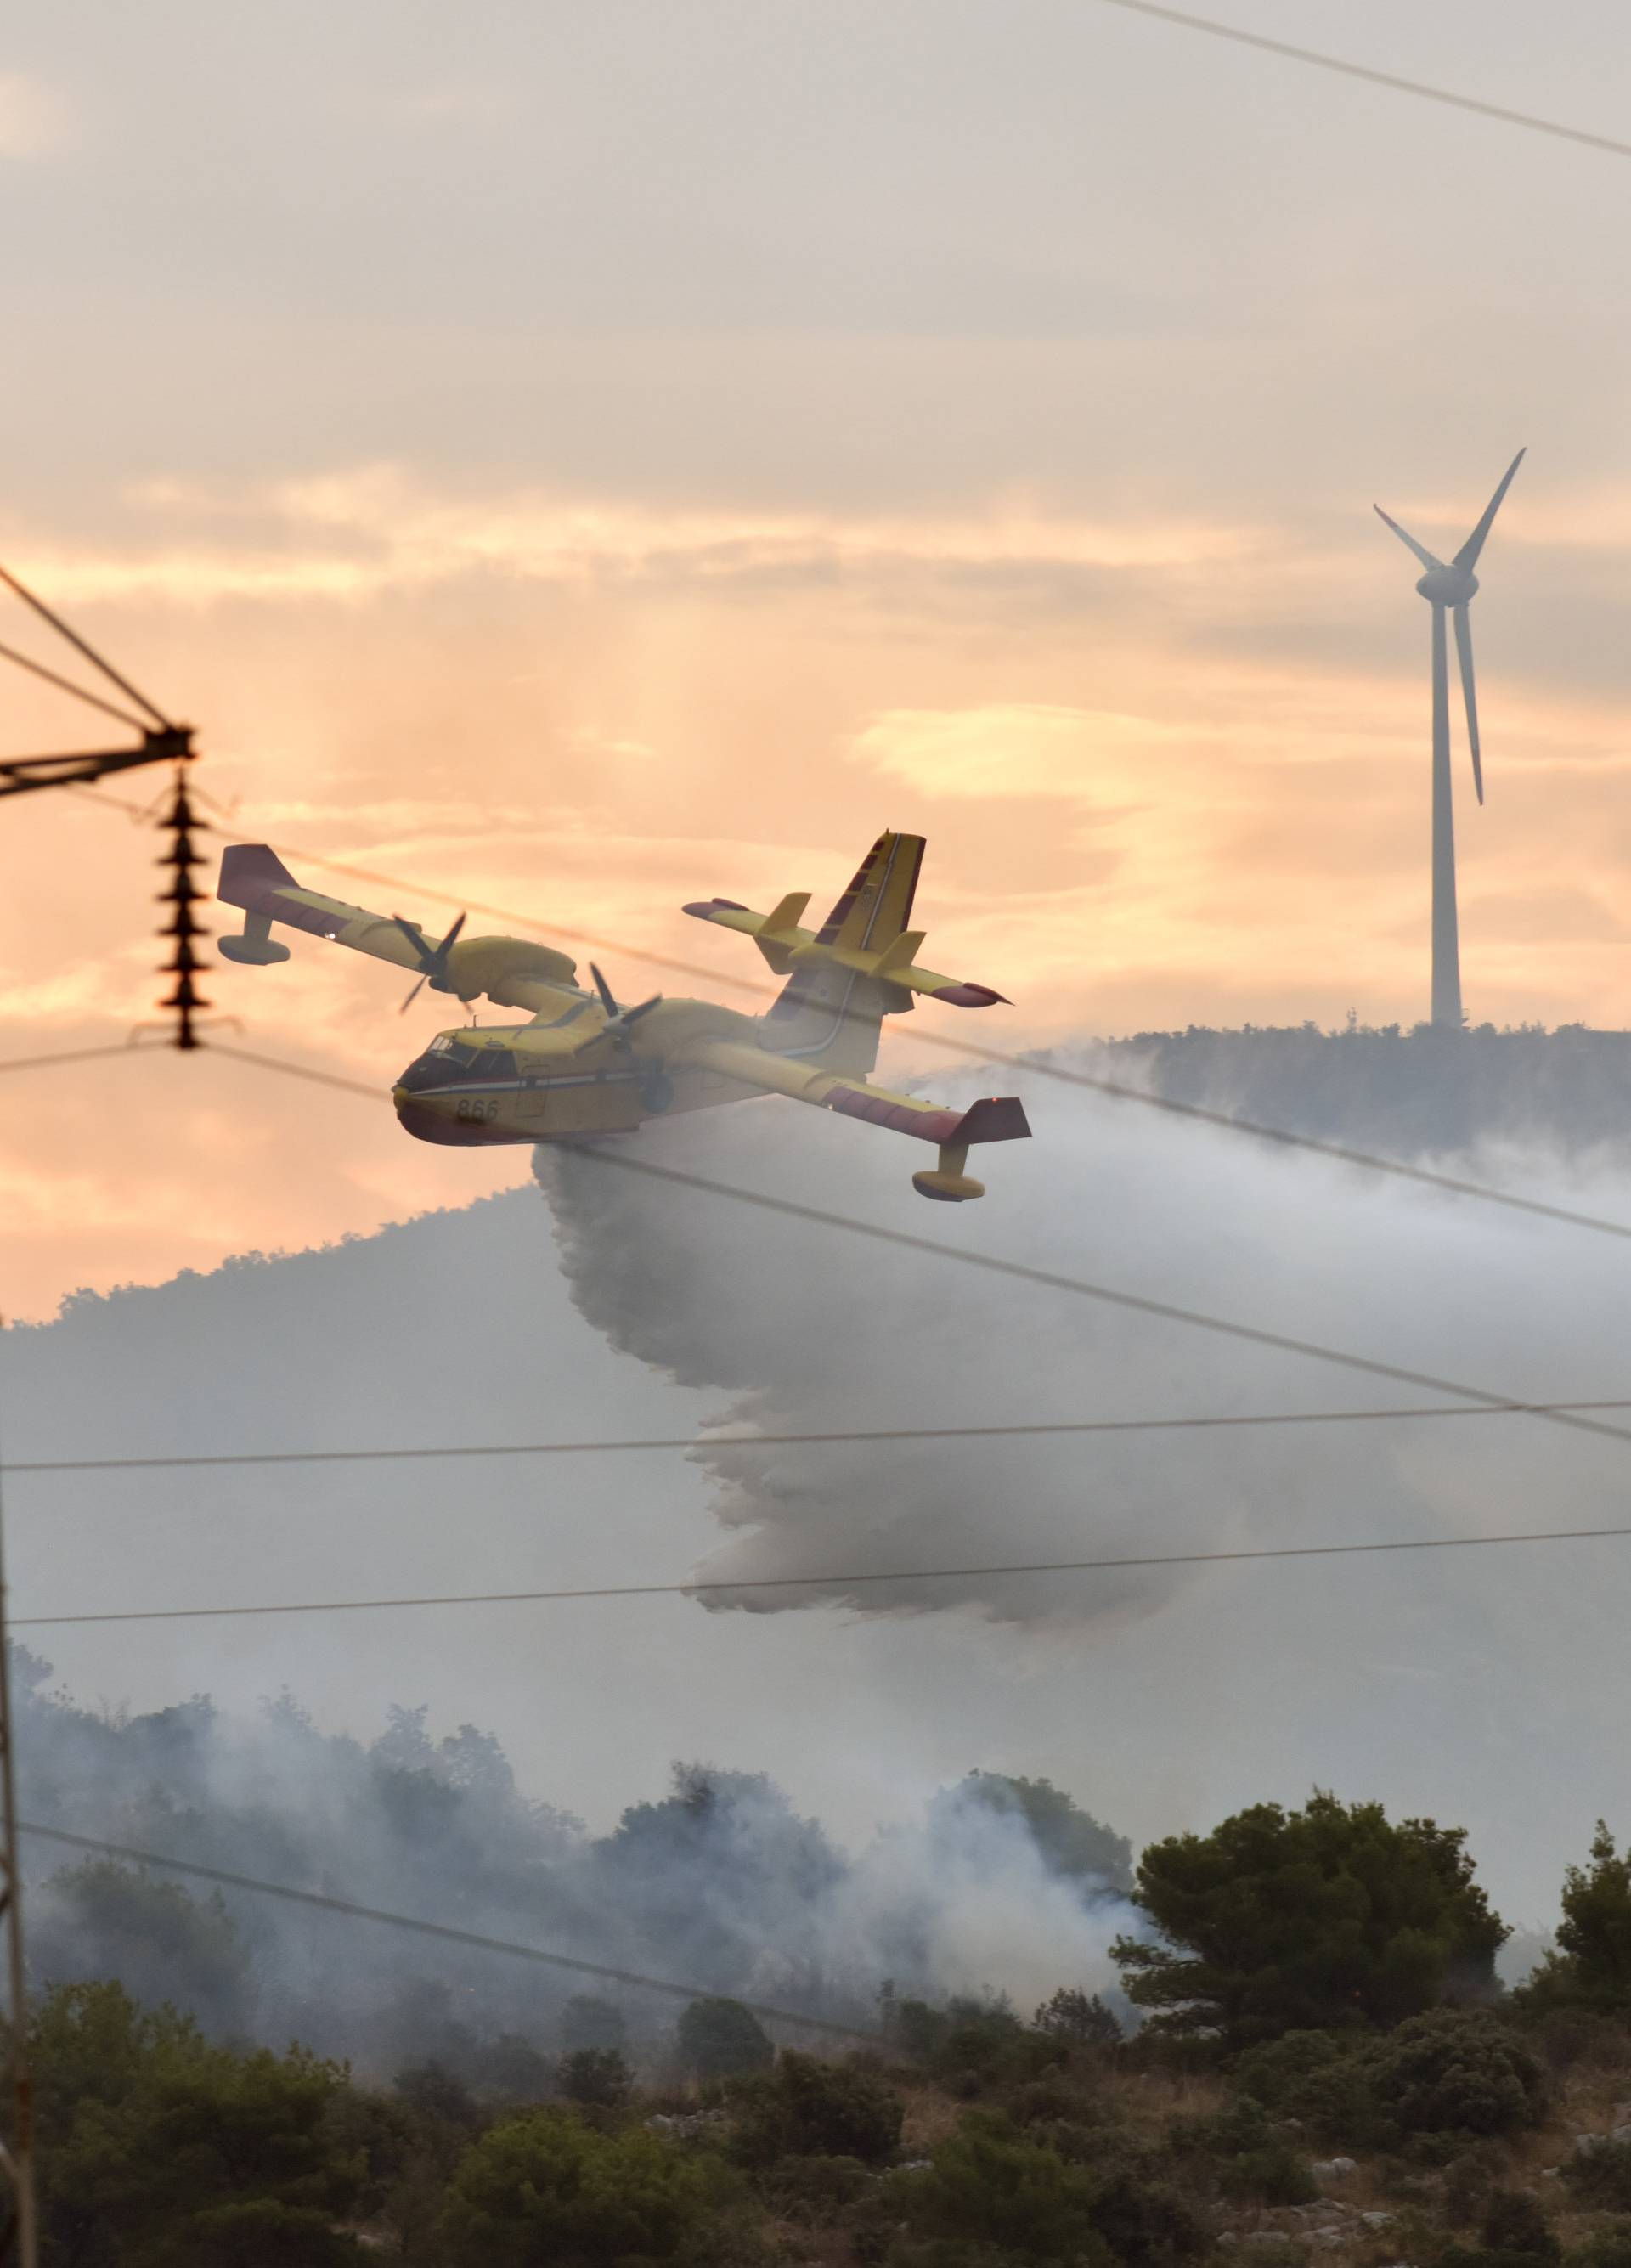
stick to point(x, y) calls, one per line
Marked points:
point(76, 1055)
point(1391, 79)
point(1030, 1065)
point(836, 1580)
point(1048, 1280)
point(229, 1880)
point(857, 1437)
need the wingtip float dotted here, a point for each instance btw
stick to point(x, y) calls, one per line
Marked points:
point(582, 1065)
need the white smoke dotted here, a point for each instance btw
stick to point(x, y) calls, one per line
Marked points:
point(809, 1328)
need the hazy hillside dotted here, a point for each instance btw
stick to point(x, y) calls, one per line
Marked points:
point(634, 1312)
point(1396, 1090)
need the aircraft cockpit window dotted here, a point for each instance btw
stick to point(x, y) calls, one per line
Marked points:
point(439, 1045)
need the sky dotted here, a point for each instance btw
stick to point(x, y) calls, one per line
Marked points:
point(584, 460)
point(581, 460)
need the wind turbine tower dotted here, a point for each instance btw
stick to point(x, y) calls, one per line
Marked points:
point(1449, 586)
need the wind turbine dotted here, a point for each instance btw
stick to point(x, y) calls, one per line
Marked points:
point(1451, 586)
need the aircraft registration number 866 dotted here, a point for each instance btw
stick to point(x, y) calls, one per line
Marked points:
point(477, 1109)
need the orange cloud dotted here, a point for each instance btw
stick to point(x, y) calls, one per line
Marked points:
point(1157, 785)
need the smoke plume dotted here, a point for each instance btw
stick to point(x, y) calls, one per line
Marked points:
point(806, 1329)
point(721, 1885)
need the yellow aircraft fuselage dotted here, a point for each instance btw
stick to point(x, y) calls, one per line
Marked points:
point(542, 1083)
point(580, 1065)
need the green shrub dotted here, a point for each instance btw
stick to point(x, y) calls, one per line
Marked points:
point(163, 2150)
point(949, 2252)
point(589, 2022)
point(1450, 2073)
point(1277, 2074)
point(1079, 2017)
point(547, 2187)
point(1455, 2072)
point(1274, 2174)
point(1566, 2037)
point(1469, 2177)
point(1263, 2252)
point(805, 2108)
point(816, 2190)
point(1515, 2227)
point(1607, 2247)
point(990, 2185)
point(597, 2076)
point(720, 2039)
point(1252, 2164)
point(1143, 2216)
point(1601, 2177)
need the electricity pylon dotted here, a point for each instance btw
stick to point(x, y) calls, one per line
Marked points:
point(18, 2227)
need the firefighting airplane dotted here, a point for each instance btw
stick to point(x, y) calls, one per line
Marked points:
point(583, 1066)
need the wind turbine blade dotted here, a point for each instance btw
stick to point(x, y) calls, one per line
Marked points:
point(1406, 538)
point(1467, 556)
point(1464, 652)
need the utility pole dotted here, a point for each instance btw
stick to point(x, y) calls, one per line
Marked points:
point(20, 2239)
point(162, 741)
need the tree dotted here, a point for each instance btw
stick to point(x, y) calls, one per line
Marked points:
point(1315, 1919)
point(1074, 2015)
point(722, 1867)
point(545, 2189)
point(599, 2076)
point(1070, 1840)
point(720, 2039)
point(100, 1920)
point(805, 2108)
point(512, 2068)
point(160, 2150)
point(588, 2023)
point(1592, 1964)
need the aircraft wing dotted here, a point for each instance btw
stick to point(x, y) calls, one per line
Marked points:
point(787, 946)
point(515, 972)
point(254, 877)
point(995, 1118)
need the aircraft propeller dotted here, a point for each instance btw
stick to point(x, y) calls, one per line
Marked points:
point(432, 959)
point(616, 1028)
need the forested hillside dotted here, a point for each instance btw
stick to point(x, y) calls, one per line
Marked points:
point(1389, 1088)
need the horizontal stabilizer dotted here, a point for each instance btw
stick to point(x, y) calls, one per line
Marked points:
point(995, 1119)
point(786, 946)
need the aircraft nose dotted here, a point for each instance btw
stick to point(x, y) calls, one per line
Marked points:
point(428, 1072)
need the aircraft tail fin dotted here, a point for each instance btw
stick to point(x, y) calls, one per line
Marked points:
point(830, 1012)
point(860, 966)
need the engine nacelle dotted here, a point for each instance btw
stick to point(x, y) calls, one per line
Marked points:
point(947, 1182)
point(255, 944)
